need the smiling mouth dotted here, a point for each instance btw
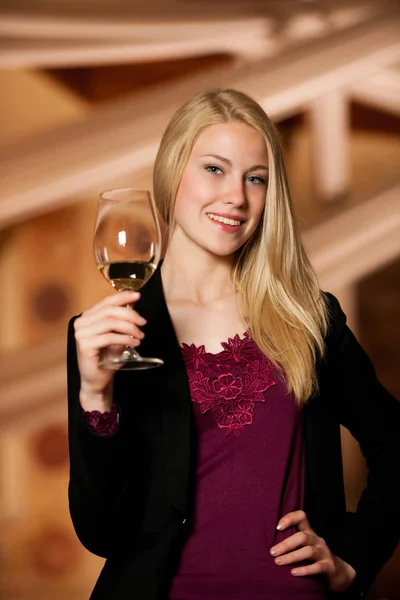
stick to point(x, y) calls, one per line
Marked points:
point(226, 221)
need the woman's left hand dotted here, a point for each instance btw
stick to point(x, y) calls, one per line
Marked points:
point(307, 545)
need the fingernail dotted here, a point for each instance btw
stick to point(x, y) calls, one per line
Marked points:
point(295, 572)
point(279, 560)
point(274, 551)
point(279, 526)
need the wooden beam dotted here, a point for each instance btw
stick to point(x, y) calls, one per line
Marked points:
point(47, 54)
point(132, 28)
point(358, 241)
point(150, 20)
point(381, 90)
point(49, 171)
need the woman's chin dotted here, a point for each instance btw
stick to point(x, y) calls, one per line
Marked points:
point(223, 251)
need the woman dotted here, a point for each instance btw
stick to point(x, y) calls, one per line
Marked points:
point(219, 475)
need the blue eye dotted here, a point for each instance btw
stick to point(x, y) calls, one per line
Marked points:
point(213, 169)
point(257, 180)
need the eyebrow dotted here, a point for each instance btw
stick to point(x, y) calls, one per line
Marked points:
point(228, 162)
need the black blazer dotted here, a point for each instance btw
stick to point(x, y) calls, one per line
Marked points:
point(131, 495)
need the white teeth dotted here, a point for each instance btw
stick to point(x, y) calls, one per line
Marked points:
point(224, 220)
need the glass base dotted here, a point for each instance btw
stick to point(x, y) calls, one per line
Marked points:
point(130, 361)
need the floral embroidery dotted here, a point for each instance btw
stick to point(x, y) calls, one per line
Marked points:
point(228, 386)
point(104, 424)
point(195, 356)
point(230, 382)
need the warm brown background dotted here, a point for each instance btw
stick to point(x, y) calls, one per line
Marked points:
point(65, 102)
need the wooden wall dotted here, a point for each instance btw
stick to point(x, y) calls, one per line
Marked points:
point(48, 275)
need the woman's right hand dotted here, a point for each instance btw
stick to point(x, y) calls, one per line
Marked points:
point(108, 323)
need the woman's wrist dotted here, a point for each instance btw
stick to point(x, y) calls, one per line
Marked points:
point(345, 575)
point(100, 402)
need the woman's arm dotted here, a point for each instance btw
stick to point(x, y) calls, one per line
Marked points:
point(98, 464)
point(97, 471)
point(372, 416)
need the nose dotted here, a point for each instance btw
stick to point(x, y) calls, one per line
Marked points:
point(235, 195)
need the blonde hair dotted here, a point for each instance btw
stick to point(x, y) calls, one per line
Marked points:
point(282, 302)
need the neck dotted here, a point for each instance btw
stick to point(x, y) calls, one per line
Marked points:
point(196, 275)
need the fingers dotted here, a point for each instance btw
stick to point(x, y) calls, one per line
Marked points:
point(313, 553)
point(301, 538)
point(110, 309)
point(120, 332)
point(110, 322)
point(110, 339)
point(105, 333)
point(108, 316)
point(297, 517)
point(120, 299)
point(338, 574)
point(116, 319)
point(317, 568)
point(304, 545)
point(126, 299)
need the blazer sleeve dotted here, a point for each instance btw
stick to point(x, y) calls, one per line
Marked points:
point(98, 471)
point(372, 415)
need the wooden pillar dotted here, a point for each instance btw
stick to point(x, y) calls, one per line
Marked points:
point(329, 133)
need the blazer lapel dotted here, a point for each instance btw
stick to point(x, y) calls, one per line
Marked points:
point(170, 381)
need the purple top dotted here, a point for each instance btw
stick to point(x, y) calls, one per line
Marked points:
point(250, 472)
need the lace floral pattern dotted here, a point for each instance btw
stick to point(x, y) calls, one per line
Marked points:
point(104, 424)
point(230, 382)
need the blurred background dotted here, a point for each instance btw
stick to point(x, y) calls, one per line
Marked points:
point(86, 90)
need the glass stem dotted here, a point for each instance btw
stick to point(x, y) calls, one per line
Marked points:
point(130, 352)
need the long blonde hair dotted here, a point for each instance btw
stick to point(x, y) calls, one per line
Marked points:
point(286, 311)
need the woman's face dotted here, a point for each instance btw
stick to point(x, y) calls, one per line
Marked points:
point(221, 196)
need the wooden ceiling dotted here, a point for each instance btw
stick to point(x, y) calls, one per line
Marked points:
point(42, 34)
point(99, 84)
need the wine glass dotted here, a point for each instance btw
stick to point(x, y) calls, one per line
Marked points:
point(127, 248)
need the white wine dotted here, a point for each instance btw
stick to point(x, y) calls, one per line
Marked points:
point(127, 275)
point(127, 248)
